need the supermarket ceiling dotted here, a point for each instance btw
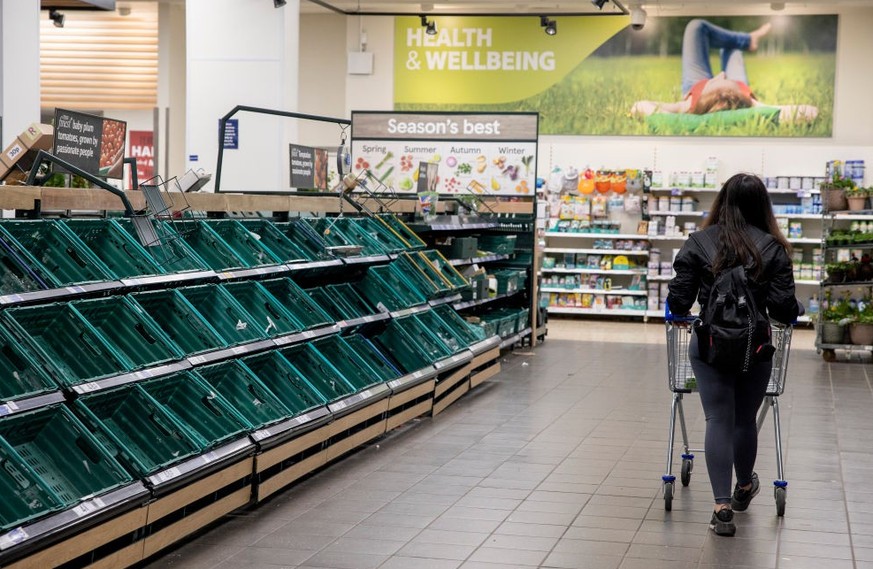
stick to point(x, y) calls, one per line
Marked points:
point(582, 7)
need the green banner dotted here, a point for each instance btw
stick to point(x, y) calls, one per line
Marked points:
point(488, 60)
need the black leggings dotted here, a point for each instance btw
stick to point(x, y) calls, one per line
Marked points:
point(730, 403)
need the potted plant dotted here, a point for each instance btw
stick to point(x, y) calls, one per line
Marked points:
point(833, 321)
point(856, 198)
point(834, 193)
point(861, 328)
point(836, 272)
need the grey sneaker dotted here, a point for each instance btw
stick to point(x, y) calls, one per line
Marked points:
point(722, 523)
point(742, 498)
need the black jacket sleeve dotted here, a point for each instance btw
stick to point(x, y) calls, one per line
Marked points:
point(686, 284)
point(782, 305)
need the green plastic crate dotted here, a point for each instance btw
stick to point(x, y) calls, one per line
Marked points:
point(270, 315)
point(343, 300)
point(322, 297)
point(386, 285)
point(199, 407)
point(247, 245)
point(446, 333)
point(410, 345)
point(170, 251)
point(16, 275)
point(498, 244)
point(418, 271)
point(124, 256)
point(321, 374)
point(306, 239)
point(300, 304)
point(63, 453)
point(277, 241)
point(248, 394)
point(56, 255)
point(446, 269)
point(137, 430)
point(388, 237)
point(25, 496)
point(209, 246)
point(522, 319)
point(285, 381)
point(377, 361)
point(350, 364)
point(66, 342)
point(354, 229)
point(337, 232)
point(21, 373)
point(129, 329)
point(180, 321)
point(466, 331)
point(224, 313)
point(400, 228)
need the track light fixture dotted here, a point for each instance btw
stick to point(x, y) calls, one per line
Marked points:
point(279, 3)
point(599, 3)
point(430, 25)
point(57, 18)
point(551, 26)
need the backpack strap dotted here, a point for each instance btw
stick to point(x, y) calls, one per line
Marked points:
point(710, 247)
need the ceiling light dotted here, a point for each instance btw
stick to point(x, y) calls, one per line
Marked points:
point(430, 25)
point(551, 26)
point(279, 3)
point(57, 18)
point(599, 3)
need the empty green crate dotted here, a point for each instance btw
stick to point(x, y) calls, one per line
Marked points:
point(352, 365)
point(224, 313)
point(341, 232)
point(497, 244)
point(377, 361)
point(320, 373)
point(388, 237)
point(180, 321)
point(349, 301)
point(199, 407)
point(509, 280)
point(17, 275)
point(447, 334)
point(21, 373)
point(248, 394)
point(63, 453)
point(270, 315)
point(209, 246)
point(322, 297)
point(285, 381)
point(114, 246)
point(354, 228)
point(412, 347)
point(522, 319)
point(446, 269)
point(129, 329)
point(466, 331)
point(25, 495)
point(56, 255)
point(418, 271)
point(137, 430)
point(387, 286)
point(306, 239)
point(65, 341)
point(247, 245)
point(300, 304)
point(403, 230)
point(169, 251)
point(277, 241)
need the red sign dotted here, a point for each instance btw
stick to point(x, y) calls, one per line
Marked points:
point(142, 147)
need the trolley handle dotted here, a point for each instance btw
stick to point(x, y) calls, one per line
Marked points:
point(670, 317)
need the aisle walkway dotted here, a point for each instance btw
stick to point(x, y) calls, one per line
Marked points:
point(556, 462)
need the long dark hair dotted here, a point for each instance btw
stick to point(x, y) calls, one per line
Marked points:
point(742, 202)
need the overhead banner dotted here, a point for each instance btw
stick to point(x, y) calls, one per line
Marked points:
point(142, 148)
point(492, 154)
point(92, 143)
point(598, 76)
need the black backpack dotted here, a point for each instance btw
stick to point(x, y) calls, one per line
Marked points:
point(732, 333)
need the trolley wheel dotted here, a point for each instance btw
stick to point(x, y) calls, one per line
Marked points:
point(687, 467)
point(829, 355)
point(668, 496)
point(781, 496)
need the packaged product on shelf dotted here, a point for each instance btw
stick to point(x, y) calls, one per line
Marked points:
point(795, 230)
point(654, 269)
point(663, 203)
point(637, 283)
point(652, 303)
point(697, 179)
point(797, 256)
point(620, 263)
point(593, 261)
point(807, 183)
point(666, 267)
point(549, 262)
point(657, 179)
point(569, 260)
point(689, 204)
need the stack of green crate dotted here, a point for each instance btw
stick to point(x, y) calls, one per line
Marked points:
point(269, 314)
point(224, 314)
point(51, 461)
point(306, 239)
point(180, 321)
point(118, 250)
point(464, 330)
point(389, 286)
point(353, 366)
point(246, 245)
point(306, 311)
point(278, 242)
point(348, 231)
point(285, 381)
point(209, 246)
point(453, 339)
point(319, 372)
point(342, 301)
point(21, 373)
point(249, 396)
point(411, 344)
point(377, 361)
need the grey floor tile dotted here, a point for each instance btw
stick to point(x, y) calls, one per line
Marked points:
point(342, 560)
point(580, 561)
point(436, 550)
point(509, 556)
point(400, 562)
point(429, 535)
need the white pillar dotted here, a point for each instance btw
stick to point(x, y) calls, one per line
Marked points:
point(242, 53)
point(19, 66)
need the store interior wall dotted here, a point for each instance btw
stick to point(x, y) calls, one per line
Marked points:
point(852, 134)
point(19, 67)
point(242, 53)
point(325, 69)
point(172, 90)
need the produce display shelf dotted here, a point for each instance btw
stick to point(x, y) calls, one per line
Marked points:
point(481, 301)
point(515, 338)
point(597, 251)
point(444, 300)
point(617, 291)
point(60, 293)
point(482, 259)
point(597, 271)
point(28, 403)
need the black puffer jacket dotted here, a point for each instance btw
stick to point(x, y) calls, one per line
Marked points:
point(773, 290)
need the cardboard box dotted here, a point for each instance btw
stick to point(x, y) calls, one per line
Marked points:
point(38, 136)
point(13, 153)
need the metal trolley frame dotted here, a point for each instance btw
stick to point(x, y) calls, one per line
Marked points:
point(681, 380)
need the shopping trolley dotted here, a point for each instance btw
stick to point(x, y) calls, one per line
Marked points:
point(681, 380)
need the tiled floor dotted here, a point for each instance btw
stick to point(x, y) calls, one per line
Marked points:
point(557, 462)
